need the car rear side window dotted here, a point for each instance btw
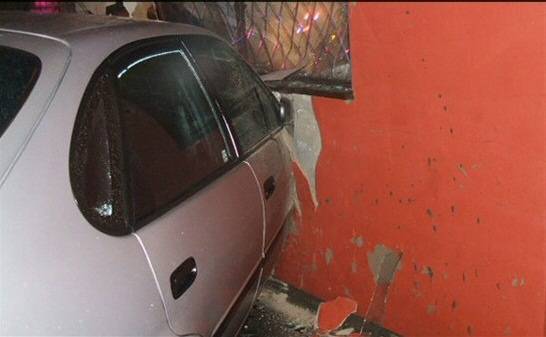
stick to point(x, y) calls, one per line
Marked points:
point(19, 71)
point(247, 104)
point(96, 159)
point(144, 139)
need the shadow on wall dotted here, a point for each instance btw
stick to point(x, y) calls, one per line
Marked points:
point(431, 180)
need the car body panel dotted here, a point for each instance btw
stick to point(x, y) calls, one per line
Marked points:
point(233, 321)
point(272, 160)
point(55, 56)
point(59, 275)
point(226, 245)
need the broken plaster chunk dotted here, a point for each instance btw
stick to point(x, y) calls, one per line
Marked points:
point(299, 327)
point(344, 332)
point(308, 140)
point(278, 302)
point(332, 314)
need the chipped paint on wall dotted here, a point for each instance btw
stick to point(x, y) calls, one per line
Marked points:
point(384, 263)
point(292, 226)
point(358, 241)
point(307, 139)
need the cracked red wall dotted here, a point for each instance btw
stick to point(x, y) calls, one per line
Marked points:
point(442, 156)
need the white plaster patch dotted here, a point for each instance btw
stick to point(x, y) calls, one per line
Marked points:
point(384, 263)
point(279, 302)
point(307, 139)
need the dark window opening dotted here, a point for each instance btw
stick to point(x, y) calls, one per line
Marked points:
point(19, 72)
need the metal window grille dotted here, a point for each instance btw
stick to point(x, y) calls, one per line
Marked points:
point(273, 36)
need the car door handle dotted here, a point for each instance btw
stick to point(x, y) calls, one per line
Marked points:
point(269, 187)
point(183, 276)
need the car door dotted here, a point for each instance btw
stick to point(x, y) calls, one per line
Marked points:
point(252, 114)
point(196, 210)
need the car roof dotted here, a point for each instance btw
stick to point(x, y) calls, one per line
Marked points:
point(69, 26)
point(72, 46)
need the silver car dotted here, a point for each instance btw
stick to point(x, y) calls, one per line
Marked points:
point(143, 179)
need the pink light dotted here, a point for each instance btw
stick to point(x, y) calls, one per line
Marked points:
point(46, 7)
point(316, 17)
point(306, 16)
point(306, 28)
point(250, 33)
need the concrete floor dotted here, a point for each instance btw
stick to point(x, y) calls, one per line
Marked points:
point(284, 311)
point(281, 311)
point(263, 321)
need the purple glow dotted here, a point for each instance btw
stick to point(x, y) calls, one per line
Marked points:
point(46, 7)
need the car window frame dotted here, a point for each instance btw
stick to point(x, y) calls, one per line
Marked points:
point(107, 66)
point(55, 57)
point(30, 85)
point(271, 134)
point(117, 176)
point(174, 42)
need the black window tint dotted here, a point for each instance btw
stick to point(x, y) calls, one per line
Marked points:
point(96, 159)
point(247, 104)
point(19, 71)
point(171, 136)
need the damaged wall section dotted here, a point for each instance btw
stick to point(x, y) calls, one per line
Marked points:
point(440, 158)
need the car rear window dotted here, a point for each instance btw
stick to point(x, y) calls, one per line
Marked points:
point(19, 71)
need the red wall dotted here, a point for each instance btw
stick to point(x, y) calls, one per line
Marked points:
point(449, 116)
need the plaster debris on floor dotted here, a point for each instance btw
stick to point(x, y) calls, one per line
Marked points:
point(284, 311)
